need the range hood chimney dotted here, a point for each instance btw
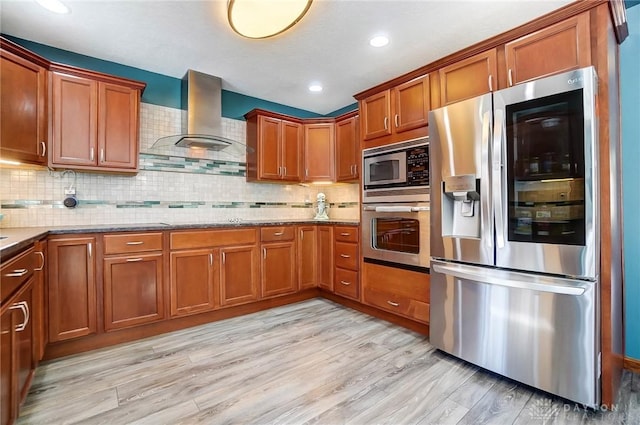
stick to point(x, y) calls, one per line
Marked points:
point(202, 99)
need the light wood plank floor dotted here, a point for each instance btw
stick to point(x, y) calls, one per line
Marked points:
point(314, 362)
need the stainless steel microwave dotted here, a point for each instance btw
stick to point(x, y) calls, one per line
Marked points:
point(396, 173)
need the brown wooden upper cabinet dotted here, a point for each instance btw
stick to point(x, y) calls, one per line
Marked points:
point(392, 112)
point(557, 48)
point(95, 121)
point(468, 78)
point(23, 108)
point(319, 145)
point(347, 162)
point(275, 147)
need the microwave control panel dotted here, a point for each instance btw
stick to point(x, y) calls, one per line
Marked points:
point(418, 166)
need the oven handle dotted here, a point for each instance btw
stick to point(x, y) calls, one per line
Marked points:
point(395, 208)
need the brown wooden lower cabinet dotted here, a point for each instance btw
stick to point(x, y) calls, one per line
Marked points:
point(398, 291)
point(72, 288)
point(8, 367)
point(238, 275)
point(325, 257)
point(278, 269)
point(307, 256)
point(133, 290)
point(192, 281)
point(347, 283)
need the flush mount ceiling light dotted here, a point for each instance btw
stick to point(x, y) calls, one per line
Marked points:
point(55, 6)
point(379, 41)
point(316, 88)
point(265, 18)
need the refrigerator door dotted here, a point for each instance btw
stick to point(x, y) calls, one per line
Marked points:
point(539, 330)
point(544, 169)
point(461, 211)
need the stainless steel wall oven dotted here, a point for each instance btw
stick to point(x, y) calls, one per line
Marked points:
point(395, 209)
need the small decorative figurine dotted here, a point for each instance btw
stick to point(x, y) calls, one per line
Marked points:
point(321, 207)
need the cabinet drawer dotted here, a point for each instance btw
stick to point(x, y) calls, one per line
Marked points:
point(347, 283)
point(346, 255)
point(15, 272)
point(405, 283)
point(346, 234)
point(398, 304)
point(212, 238)
point(272, 234)
point(132, 242)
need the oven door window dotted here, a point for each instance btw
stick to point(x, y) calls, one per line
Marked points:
point(396, 234)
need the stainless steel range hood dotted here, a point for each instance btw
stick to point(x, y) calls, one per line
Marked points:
point(202, 100)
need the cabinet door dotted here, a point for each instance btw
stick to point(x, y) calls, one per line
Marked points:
point(411, 104)
point(468, 78)
point(319, 154)
point(118, 126)
point(347, 283)
point(72, 288)
point(75, 112)
point(192, 281)
point(375, 112)
point(558, 48)
point(8, 367)
point(238, 275)
point(40, 300)
point(25, 340)
point(325, 257)
point(23, 110)
point(291, 151)
point(278, 269)
point(347, 150)
point(307, 257)
point(132, 290)
point(269, 148)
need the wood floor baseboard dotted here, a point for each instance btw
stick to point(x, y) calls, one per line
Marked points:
point(632, 364)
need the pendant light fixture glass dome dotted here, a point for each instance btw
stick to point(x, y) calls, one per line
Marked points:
point(265, 18)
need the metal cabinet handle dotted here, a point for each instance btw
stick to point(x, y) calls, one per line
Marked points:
point(224, 258)
point(490, 82)
point(386, 121)
point(91, 154)
point(17, 273)
point(24, 307)
point(396, 120)
point(278, 234)
point(280, 171)
point(284, 171)
point(89, 249)
point(42, 258)
point(345, 234)
point(355, 169)
point(135, 243)
point(44, 148)
point(264, 253)
point(101, 154)
point(301, 235)
point(306, 172)
point(510, 77)
point(211, 258)
point(133, 260)
point(345, 256)
point(393, 304)
point(345, 283)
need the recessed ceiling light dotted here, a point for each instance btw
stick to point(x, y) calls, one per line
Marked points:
point(316, 88)
point(55, 6)
point(379, 41)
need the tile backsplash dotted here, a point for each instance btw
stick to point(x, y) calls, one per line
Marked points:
point(204, 187)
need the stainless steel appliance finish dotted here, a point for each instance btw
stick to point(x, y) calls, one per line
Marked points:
point(538, 330)
point(396, 173)
point(514, 247)
point(396, 233)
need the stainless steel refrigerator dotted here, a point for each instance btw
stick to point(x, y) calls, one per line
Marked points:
point(515, 234)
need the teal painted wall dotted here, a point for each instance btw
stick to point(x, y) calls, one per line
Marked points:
point(630, 99)
point(161, 89)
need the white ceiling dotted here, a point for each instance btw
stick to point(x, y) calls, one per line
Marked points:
point(329, 45)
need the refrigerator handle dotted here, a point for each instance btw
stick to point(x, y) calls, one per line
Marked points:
point(485, 186)
point(496, 175)
point(514, 280)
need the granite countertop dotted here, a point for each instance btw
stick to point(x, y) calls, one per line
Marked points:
point(15, 239)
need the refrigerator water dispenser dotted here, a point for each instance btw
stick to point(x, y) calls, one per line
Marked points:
point(461, 206)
